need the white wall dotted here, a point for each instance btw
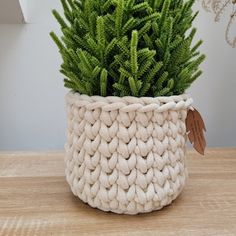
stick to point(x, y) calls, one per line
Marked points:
point(32, 111)
point(214, 93)
point(32, 114)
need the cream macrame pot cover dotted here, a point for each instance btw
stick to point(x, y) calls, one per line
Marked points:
point(126, 155)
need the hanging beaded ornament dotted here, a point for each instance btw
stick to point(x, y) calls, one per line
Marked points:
point(218, 7)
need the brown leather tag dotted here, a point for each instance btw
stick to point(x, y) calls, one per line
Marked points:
point(195, 128)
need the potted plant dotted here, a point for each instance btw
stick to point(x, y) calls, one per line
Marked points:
point(127, 64)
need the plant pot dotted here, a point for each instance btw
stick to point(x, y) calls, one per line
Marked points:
point(126, 155)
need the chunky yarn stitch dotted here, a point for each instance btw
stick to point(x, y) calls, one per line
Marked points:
point(126, 155)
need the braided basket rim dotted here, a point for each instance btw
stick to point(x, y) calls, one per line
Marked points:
point(127, 99)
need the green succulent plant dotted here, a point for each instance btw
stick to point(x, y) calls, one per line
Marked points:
point(128, 47)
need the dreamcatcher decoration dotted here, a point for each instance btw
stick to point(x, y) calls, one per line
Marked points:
point(218, 7)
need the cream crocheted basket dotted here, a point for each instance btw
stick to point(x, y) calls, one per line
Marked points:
point(126, 155)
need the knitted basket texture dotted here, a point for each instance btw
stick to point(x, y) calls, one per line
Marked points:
point(126, 154)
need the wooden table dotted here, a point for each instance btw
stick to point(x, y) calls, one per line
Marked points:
point(36, 200)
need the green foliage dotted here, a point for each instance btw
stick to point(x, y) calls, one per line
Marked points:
point(128, 47)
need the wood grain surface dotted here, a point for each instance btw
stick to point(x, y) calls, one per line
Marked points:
point(36, 200)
